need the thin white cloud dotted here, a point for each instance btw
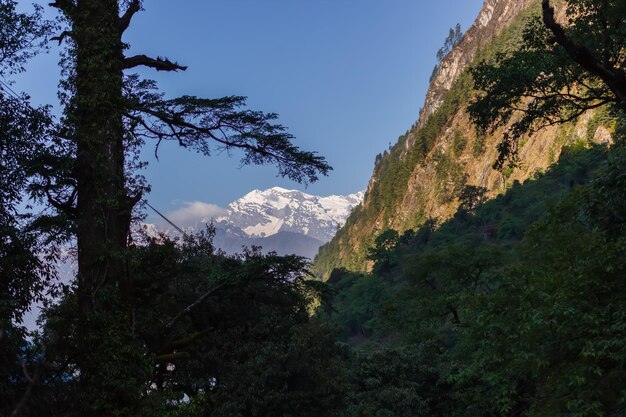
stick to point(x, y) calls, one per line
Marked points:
point(193, 213)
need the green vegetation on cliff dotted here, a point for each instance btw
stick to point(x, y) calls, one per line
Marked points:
point(393, 169)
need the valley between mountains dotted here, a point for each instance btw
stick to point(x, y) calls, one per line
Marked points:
point(482, 273)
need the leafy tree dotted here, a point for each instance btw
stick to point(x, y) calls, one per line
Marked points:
point(550, 340)
point(397, 382)
point(109, 114)
point(459, 142)
point(441, 285)
point(357, 300)
point(559, 73)
point(471, 196)
point(24, 270)
point(383, 253)
point(522, 305)
point(22, 35)
point(22, 130)
point(25, 264)
point(234, 335)
point(454, 38)
point(89, 175)
point(244, 323)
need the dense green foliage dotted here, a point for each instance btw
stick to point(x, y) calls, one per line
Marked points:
point(213, 336)
point(25, 264)
point(105, 348)
point(25, 269)
point(524, 295)
point(396, 382)
point(94, 356)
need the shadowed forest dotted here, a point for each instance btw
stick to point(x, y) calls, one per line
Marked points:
point(514, 305)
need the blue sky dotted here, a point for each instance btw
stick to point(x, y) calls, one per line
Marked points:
point(347, 77)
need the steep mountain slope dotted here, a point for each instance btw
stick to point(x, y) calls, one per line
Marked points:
point(492, 19)
point(425, 173)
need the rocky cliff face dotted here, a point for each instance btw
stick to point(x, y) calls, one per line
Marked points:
point(492, 19)
point(423, 175)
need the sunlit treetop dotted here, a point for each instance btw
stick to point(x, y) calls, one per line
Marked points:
point(563, 68)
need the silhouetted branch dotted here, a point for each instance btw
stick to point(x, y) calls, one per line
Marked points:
point(66, 207)
point(196, 123)
point(191, 306)
point(171, 357)
point(66, 6)
point(126, 18)
point(62, 36)
point(614, 78)
point(133, 200)
point(177, 126)
point(159, 64)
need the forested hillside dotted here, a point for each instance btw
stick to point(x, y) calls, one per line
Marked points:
point(423, 175)
point(521, 297)
point(487, 264)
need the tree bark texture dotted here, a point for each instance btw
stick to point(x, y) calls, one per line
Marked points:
point(103, 204)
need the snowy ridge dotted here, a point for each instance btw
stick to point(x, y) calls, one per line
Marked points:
point(266, 213)
point(277, 219)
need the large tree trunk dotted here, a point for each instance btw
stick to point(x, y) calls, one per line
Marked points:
point(108, 378)
point(102, 200)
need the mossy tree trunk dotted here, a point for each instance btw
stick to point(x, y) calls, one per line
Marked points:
point(103, 205)
point(109, 357)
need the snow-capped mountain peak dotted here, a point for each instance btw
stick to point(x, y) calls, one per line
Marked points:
point(266, 213)
point(277, 219)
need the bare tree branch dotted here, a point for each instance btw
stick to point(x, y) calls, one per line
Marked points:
point(614, 78)
point(66, 6)
point(171, 357)
point(172, 351)
point(62, 36)
point(159, 64)
point(126, 18)
point(191, 306)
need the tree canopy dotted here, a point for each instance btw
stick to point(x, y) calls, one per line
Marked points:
point(561, 70)
point(84, 167)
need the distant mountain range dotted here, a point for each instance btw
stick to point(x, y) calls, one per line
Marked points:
point(280, 220)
